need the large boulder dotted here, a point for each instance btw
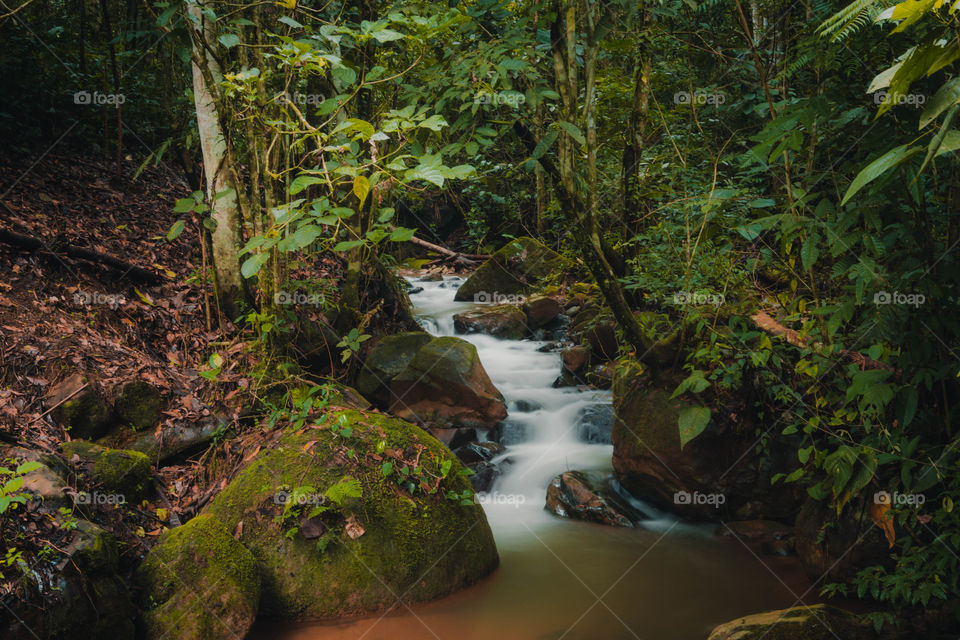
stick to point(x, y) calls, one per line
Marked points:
point(515, 269)
point(541, 310)
point(502, 321)
point(382, 531)
point(199, 583)
point(816, 622)
point(706, 478)
point(435, 382)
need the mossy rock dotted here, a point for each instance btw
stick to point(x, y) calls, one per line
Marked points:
point(139, 405)
point(122, 471)
point(519, 267)
point(80, 407)
point(817, 622)
point(505, 321)
point(93, 550)
point(389, 357)
point(199, 583)
point(421, 546)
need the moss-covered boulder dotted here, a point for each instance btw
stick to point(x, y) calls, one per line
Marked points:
point(541, 310)
point(519, 267)
point(365, 551)
point(505, 321)
point(79, 405)
point(817, 622)
point(199, 583)
point(435, 382)
point(139, 404)
point(121, 471)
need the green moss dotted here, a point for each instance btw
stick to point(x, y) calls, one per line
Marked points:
point(140, 404)
point(423, 545)
point(119, 470)
point(646, 416)
point(93, 549)
point(519, 267)
point(199, 583)
point(389, 357)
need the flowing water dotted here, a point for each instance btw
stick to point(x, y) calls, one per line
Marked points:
point(560, 578)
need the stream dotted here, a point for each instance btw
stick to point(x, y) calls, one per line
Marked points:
point(562, 578)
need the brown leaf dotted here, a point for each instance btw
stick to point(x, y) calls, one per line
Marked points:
point(353, 528)
point(881, 516)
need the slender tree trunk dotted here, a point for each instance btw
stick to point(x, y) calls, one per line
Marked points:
point(221, 192)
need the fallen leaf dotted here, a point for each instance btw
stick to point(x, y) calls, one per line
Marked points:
point(353, 528)
point(881, 516)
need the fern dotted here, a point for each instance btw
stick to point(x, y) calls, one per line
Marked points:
point(851, 19)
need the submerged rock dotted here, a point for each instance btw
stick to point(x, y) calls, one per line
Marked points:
point(587, 496)
point(384, 542)
point(502, 321)
point(816, 622)
point(199, 583)
point(516, 268)
point(595, 424)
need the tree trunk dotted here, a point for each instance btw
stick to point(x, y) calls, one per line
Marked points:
point(221, 192)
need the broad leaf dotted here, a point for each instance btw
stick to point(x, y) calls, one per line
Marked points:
point(692, 422)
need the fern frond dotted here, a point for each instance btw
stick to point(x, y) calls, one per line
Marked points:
point(851, 19)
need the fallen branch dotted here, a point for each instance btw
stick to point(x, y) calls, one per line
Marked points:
point(763, 321)
point(36, 245)
point(466, 258)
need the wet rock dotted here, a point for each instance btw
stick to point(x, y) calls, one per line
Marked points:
point(595, 424)
point(485, 473)
point(550, 347)
point(120, 471)
point(541, 310)
point(526, 406)
point(83, 597)
point(516, 268)
point(453, 283)
point(502, 321)
point(602, 337)
point(575, 358)
point(389, 548)
point(436, 276)
point(445, 384)
point(455, 438)
point(80, 407)
point(509, 432)
point(586, 496)
point(414, 290)
point(199, 583)
point(816, 622)
point(474, 452)
point(139, 405)
point(389, 358)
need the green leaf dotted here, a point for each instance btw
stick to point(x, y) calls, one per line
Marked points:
point(387, 35)
point(176, 230)
point(303, 181)
point(305, 235)
point(27, 467)
point(878, 167)
point(434, 123)
point(761, 203)
point(402, 234)
point(184, 205)
point(346, 488)
point(544, 145)
point(229, 40)
point(573, 131)
point(692, 421)
point(387, 468)
point(251, 266)
point(947, 96)
point(347, 245)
